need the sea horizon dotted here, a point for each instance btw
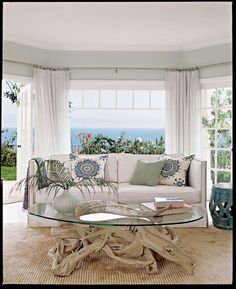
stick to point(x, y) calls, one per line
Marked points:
point(152, 134)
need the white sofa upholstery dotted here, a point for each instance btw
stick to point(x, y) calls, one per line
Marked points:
point(119, 169)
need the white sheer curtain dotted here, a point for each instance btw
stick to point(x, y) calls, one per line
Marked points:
point(51, 112)
point(183, 99)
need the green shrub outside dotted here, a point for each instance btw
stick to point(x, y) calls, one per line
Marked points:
point(8, 156)
point(100, 144)
point(8, 160)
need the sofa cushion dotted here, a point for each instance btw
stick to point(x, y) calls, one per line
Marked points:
point(110, 170)
point(174, 172)
point(86, 167)
point(134, 193)
point(147, 173)
point(42, 196)
point(127, 163)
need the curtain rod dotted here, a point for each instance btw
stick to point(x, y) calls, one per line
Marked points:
point(116, 68)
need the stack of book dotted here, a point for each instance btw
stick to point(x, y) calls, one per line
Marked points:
point(167, 206)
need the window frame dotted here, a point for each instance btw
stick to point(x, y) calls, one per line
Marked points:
point(215, 83)
point(118, 85)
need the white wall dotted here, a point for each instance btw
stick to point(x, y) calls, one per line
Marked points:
point(18, 60)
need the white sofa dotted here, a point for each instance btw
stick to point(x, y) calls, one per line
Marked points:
point(119, 169)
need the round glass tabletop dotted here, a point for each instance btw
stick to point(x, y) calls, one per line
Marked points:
point(106, 219)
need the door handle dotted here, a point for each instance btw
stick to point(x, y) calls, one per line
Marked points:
point(19, 146)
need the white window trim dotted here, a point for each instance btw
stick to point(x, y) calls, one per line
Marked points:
point(117, 84)
point(23, 79)
point(216, 82)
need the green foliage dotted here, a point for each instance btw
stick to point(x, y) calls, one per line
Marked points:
point(8, 173)
point(13, 91)
point(54, 176)
point(209, 121)
point(224, 159)
point(223, 176)
point(8, 156)
point(8, 153)
point(102, 144)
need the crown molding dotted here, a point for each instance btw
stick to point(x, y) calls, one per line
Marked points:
point(115, 48)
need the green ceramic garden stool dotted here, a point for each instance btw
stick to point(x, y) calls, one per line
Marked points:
point(220, 205)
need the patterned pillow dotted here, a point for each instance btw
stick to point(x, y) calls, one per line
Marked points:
point(86, 167)
point(174, 172)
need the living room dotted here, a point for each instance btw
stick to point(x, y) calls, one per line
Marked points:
point(135, 90)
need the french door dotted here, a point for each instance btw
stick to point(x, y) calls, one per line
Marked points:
point(24, 130)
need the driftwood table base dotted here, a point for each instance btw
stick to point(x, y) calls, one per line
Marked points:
point(143, 245)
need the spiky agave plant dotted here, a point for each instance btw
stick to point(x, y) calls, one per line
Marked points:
point(54, 176)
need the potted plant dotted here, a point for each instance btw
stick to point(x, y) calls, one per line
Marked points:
point(55, 178)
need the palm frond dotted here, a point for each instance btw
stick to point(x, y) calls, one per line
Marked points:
point(54, 176)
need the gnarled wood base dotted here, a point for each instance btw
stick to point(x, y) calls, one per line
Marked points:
point(130, 245)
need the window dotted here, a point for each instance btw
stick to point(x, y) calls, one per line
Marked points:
point(217, 133)
point(138, 112)
point(16, 121)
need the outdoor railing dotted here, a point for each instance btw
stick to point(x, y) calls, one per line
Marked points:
point(75, 148)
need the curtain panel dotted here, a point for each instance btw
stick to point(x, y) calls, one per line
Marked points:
point(51, 112)
point(183, 101)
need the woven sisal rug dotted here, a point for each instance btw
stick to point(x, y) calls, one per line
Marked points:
point(25, 260)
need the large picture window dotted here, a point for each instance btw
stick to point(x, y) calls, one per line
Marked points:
point(138, 113)
point(217, 133)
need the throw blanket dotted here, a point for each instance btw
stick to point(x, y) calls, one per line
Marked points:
point(42, 171)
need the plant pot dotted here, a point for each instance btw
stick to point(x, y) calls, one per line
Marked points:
point(65, 203)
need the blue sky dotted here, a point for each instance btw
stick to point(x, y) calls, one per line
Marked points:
point(9, 110)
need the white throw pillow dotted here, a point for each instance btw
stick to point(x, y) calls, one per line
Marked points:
point(174, 172)
point(86, 167)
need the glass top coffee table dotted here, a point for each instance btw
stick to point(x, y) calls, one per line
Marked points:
point(128, 239)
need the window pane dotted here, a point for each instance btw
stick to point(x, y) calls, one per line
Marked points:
point(208, 118)
point(223, 138)
point(141, 99)
point(91, 98)
point(158, 99)
point(124, 98)
point(211, 138)
point(208, 98)
point(224, 160)
point(212, 158)
point(107, 98)
point(224, 118)
point(223, 177)
point(75, 97)
point(224, 96)
point(213, 176)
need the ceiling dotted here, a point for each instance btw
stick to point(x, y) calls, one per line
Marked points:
point(118, 26)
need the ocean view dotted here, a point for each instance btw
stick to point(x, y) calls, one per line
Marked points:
point(132, 133)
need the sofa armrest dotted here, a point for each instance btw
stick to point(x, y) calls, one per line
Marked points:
point(33, 166)
point(197, 177)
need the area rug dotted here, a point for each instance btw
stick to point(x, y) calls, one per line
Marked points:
point(25, 260)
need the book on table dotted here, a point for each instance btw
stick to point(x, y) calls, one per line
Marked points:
point(176, 217)
point(150, 206)
point(167, 201)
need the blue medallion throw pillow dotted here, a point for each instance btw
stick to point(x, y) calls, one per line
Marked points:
point(86, 167)
point(174, 171)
